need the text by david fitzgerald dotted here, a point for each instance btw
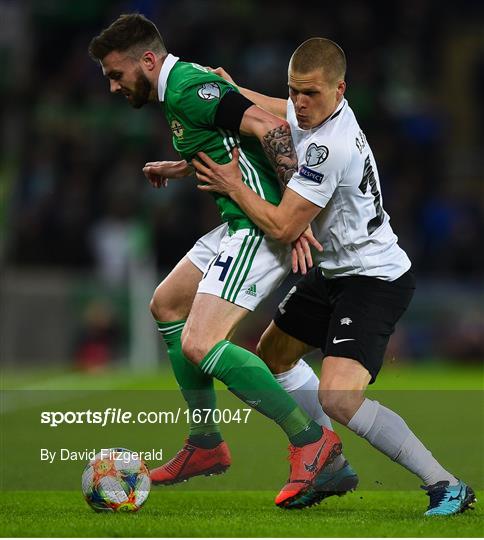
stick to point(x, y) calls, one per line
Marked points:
point(89, 454)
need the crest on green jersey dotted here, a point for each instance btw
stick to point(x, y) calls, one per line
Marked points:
point(177, 129)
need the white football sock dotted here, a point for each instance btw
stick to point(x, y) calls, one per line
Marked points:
point(301, 382)
point(303, 385)
point(389, 433)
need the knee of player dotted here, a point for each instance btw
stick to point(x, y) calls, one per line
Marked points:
point(192, 348)
point(330, 402)
point(153, 308)
point(160, 307)
point(340, 405)
point(156, 304)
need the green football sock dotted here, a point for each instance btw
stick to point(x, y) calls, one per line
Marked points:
point(196, 386)
point(247, 376)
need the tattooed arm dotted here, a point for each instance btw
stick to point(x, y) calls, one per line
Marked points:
point(266, 120)
point(279, 148)
point(275, 136)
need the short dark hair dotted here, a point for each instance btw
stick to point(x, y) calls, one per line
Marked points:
point(129, 32)
point(320, 53)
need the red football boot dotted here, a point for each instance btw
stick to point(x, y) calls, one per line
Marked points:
point(192, 461)
point(306, 463)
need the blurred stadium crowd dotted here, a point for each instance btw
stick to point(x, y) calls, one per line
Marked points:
point(74, 195)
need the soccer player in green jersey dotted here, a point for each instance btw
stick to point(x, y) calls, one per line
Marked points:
point(230, 270)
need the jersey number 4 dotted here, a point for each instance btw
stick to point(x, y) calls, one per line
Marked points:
point(224, 264)
point(369, 178)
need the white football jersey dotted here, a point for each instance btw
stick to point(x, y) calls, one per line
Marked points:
point(337, 171)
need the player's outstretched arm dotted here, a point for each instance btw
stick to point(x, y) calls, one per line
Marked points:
point(276, 106)
point(158, 172)
point(285, 222)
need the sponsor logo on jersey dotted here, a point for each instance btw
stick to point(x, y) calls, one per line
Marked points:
point(315, 155)
point(177, 129)
point(314, 176)
point(252, 290)
point(209, 91)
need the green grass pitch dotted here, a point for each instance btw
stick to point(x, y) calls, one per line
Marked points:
point(233, 514)
point(389, 503)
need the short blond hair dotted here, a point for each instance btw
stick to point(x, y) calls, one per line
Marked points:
point(319, 53)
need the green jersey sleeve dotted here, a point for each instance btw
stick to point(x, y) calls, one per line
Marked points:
point(198, 103)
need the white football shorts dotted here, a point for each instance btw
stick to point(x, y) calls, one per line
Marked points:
point(242, 268)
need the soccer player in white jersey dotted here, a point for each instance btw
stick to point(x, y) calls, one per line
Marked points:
point(349, 304)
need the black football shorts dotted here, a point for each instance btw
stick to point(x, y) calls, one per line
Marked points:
point(350, 317)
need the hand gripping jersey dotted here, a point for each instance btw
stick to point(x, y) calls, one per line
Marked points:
point(337, 171)
point(190, 96)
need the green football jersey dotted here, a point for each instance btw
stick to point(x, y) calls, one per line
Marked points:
point(192, 96)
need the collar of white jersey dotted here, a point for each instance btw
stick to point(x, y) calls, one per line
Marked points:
point(339, 108)
point(167, 66)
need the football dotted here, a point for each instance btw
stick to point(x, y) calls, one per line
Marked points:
point(116, 480)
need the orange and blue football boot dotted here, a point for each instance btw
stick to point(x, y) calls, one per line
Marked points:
point(326, 484)
point(306, 463)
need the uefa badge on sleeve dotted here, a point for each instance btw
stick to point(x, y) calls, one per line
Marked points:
point(209, 91)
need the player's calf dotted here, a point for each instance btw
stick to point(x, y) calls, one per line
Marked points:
point(280, 351)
